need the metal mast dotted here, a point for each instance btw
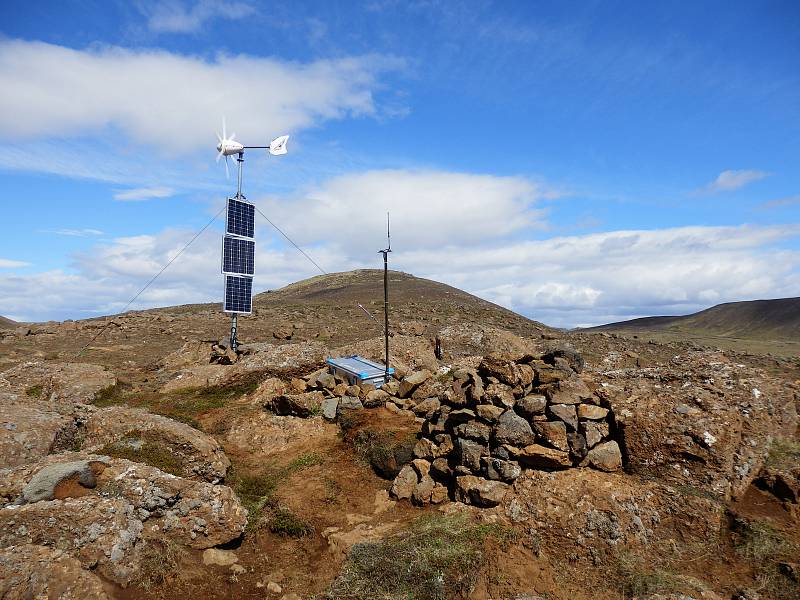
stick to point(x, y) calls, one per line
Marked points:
point(239, 196)
point(385, 253)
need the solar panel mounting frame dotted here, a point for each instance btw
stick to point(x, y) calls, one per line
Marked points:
point(240, 309)
point(247, 230)
point(251, 251)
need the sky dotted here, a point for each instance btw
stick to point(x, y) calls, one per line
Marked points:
point(577, 162)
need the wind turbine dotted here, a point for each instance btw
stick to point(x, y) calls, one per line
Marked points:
point(228, 146)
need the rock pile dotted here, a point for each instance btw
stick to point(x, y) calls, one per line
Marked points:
point(490, 423)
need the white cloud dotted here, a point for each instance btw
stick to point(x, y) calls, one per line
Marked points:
point(75, 232)
point(429, 209)
point(728, 181)
point(6, 263)
point(144, 193)
point(174, 16)
point(471, 231)
point(174, 102)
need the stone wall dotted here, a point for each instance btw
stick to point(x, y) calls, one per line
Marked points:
point(486, 425)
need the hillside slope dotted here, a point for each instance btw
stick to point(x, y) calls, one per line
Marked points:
point(758, 319)
point(7, 323)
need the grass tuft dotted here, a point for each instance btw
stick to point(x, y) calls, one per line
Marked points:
point(35, 391)
point(285, 523)
point(438, 557)
point(766, 548)
point(159, 561)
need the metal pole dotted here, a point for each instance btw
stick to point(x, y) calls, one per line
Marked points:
point(386, 310)
point(234, 316)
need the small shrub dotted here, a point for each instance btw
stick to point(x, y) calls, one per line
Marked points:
point(35, 391)
point(109, 396)
point(285, 523)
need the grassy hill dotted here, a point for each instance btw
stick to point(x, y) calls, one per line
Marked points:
point(756, 325)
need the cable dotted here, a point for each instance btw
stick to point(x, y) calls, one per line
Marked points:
point(323, 271)
point(156, 276)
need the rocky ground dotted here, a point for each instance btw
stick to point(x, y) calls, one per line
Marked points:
point(523, 463)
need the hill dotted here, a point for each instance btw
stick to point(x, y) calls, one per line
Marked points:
point(7, 323)
point(764, 325)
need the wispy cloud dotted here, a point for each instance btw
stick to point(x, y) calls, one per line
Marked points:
point(75, 232)
point(174, 16)
point(6, 263)
point(144, 193)
point(727, 181)
point(780, 203)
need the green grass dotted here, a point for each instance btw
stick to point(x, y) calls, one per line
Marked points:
point(109, 396)
point(143, 448)
point(438, 557)
point(35, 391)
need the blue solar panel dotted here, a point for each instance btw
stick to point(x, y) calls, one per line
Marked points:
point(238, 295)
point(240, 218)
point(238, 256)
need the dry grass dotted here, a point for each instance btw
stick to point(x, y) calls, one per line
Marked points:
point(159, 564)
point(438, 557)
point(140, 447)
point(783, 454)
point(766, 548)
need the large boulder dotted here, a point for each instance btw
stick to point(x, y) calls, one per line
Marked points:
point(108, 526)
point(136, 432)
point(31, 571)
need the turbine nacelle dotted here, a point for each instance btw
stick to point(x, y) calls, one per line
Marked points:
point(229, 147)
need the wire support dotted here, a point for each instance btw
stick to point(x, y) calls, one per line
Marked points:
point(149, 283)
point(303, 252)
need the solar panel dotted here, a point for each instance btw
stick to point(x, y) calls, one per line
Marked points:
point(238, 295)
point(240, 219)
point(238, 256)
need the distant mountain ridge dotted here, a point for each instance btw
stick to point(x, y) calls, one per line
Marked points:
point(763, 319)
point(7, 323)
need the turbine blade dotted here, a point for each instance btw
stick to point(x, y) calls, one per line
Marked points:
point(233, 135)
point(219, 155)
point(219, 139)
point(227, 171)
point(224, 135)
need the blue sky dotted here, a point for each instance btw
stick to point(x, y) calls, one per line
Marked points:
point(579, 162)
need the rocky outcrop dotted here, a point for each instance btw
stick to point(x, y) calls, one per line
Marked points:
point(702, 420)
point(486, 424)
point(106, 521)
point(31, 571)
point(200, 456)
point(30, 430)
point(71, 382)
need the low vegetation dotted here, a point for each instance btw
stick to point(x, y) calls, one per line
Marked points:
point(437, 557)
point(140, 447)
point(768, 550)
point(160, 560)
point(35, 391)
point(257, 493)
point(784, 454)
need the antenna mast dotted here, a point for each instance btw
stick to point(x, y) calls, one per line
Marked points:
point(385, 253)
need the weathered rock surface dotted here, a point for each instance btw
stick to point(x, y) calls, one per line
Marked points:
point(200, 455)
point(108, 527)
point(30, 430)
point(301, 405)
point(30, 571)
point(70, 382)
point(480, 492)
